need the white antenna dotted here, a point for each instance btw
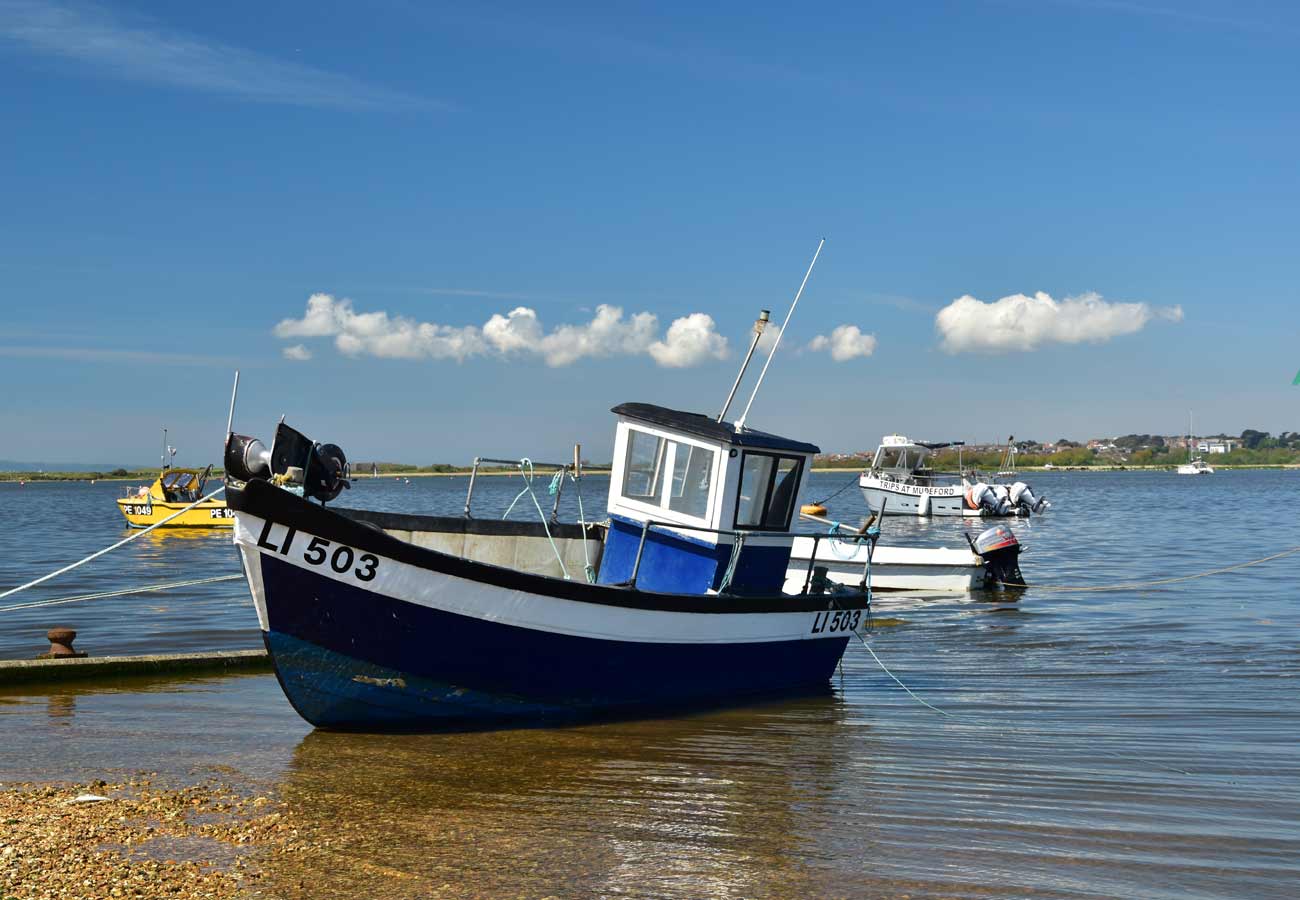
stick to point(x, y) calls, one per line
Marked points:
point(740, 423)
point(230, 420)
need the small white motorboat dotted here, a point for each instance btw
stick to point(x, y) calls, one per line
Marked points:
point(901, 482)
point(989, 562)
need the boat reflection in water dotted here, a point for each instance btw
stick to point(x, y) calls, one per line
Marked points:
point(725, 804)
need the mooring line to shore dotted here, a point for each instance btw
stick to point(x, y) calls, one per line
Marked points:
point(144, 589)
point(1002, 729)
point(1137, 585)
point(125, 540)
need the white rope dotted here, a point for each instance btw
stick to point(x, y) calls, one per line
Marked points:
point(1003, 729)
point(146, 589)
point(1138, 585)
point(885, 669)
point(526, 472)
point(97, 554)
point(588, 568)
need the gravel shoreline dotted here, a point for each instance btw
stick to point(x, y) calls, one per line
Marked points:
point(136, 840)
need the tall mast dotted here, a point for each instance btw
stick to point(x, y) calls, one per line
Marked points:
point(759, 325)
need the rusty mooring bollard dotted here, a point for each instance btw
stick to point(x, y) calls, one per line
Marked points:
point(60, 644)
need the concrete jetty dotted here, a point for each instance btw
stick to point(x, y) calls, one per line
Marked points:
point(28, 671)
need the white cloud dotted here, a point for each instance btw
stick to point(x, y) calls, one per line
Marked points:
point(378, 334)
point(297, 352)
point(767, 340)
point(607, 334)
point(518, 331)
point(846, 342)
point(143, 51)
point(689, 341)
point(1020, 322)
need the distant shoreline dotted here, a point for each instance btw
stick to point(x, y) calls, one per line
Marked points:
point(62, 477)
point(1161, 468)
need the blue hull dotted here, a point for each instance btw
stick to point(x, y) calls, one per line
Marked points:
point(353, 659)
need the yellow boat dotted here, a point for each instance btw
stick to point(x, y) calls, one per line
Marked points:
point(174, 490)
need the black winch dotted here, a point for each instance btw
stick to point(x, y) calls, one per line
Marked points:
point(294, 458)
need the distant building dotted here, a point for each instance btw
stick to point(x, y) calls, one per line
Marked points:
point(1216, 446)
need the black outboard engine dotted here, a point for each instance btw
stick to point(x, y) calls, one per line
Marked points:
point(1000, 550)
point(294, 459)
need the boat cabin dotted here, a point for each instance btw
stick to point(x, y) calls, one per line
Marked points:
point(900, 457)
point(697, 506)
point(175, 486)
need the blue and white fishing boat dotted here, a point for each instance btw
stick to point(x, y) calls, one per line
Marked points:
point(384, 621)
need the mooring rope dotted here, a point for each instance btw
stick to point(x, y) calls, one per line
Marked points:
point(587, 568)
point(99, 553)
point(847, 485)
point(146, 589)
point(1002, 729)
point(1136, 585)
point(526, 472)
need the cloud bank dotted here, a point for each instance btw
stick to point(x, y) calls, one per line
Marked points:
point(689, 341)
point(844, 343)
point(143, 52)
point(1022, 323)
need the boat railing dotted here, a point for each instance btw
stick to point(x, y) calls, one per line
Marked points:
point(739, 536)
point(564, 469)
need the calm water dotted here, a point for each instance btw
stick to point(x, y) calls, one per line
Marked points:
point(1136, 743)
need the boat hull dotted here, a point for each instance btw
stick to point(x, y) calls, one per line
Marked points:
point(932, 570)
point(141, 513)
point(899, 499)
point(405, 638)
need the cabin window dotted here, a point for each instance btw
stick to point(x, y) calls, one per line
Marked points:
point(892, 458)
point(692, 478)
point(769, 485)
point(643, 472)
point(668, 474)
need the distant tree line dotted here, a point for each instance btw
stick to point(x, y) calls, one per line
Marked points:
point(1255, 448)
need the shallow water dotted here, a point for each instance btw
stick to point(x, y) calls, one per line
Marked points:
point(1134, 743)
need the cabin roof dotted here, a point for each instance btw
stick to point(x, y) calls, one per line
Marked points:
point(707, 427)
point(897, 440)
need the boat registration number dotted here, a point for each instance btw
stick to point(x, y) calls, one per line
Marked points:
point(139, 509)
point(222, 513)
point(831, 621)
point(319, 552)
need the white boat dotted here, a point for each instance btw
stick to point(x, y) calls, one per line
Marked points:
point(956, 570)
point(1194, 465)
point(900, 482)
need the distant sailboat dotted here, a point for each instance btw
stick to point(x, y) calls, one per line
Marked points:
point(1194, 465)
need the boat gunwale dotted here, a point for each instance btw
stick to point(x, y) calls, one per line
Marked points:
point(272, 504)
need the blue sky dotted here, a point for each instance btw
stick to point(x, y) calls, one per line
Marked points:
point(177, 181)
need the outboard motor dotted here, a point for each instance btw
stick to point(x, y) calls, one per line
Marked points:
point(982, 496)
point(1000, 550)
point(1022, 497)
